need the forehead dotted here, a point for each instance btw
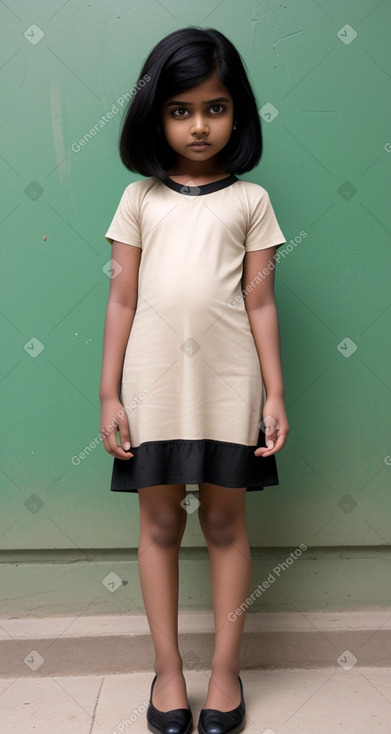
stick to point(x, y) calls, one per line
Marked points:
point(204, 91)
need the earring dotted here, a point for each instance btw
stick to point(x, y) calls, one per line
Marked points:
point(234, 127)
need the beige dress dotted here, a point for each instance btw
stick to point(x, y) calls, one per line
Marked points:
point(192, 383)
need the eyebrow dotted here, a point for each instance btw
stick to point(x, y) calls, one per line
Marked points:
point(208, 101)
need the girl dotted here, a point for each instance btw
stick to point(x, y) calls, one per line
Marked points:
point(191, 339)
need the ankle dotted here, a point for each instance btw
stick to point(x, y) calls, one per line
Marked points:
point(225, 667)
point(169, 665)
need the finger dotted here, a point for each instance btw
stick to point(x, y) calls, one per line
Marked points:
point(119, 453)
point(124, 436)
point(122, 442)
point(106, 441)
point(278, 445)
point(265, 451)
point(112, 447)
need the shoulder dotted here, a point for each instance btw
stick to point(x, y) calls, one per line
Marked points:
point(251, 190)
point(134, 194)
point(138, 189)
point(254, 198)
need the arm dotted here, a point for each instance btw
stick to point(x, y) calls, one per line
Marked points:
point(263, 318)
point(121, 308)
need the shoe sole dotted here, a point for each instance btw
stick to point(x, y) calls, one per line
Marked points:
point(237, 729)
point(154, 729)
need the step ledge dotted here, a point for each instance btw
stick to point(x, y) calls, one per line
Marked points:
point(106, 645)
point(190, 622)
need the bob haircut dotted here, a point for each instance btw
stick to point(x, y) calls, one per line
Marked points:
point(178, 62)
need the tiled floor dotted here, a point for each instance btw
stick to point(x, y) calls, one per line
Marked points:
point(320, 701)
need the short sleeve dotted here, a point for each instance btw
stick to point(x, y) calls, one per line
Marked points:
point(263, 229)
point(125, 225)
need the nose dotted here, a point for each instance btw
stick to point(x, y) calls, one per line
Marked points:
point(199, 125)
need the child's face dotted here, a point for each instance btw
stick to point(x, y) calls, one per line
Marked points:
point(198, 114)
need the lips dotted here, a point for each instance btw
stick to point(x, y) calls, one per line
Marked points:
point(198, 145)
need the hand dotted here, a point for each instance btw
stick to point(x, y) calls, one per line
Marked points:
point(276, 424)
point(114, 419)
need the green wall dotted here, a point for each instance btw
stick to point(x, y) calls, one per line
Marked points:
point(326, 161)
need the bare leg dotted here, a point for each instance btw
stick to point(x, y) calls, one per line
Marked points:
point(223, 522)
point(162, 524)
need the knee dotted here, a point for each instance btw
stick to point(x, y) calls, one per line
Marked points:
point(166, 528)
point(218, 527)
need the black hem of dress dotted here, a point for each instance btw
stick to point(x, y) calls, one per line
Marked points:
point(190, 461)
point(208, 188)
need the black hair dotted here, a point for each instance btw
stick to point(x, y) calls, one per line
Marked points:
point(179, 61)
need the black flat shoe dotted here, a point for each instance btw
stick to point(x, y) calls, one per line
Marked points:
point(177, 721)
point(212, 721)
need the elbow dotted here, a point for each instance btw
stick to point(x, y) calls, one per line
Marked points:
point(257, 306)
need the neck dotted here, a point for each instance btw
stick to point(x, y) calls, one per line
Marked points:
point(195, 169)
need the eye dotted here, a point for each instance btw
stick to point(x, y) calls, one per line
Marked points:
point(179, 108)
point(218, 109)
